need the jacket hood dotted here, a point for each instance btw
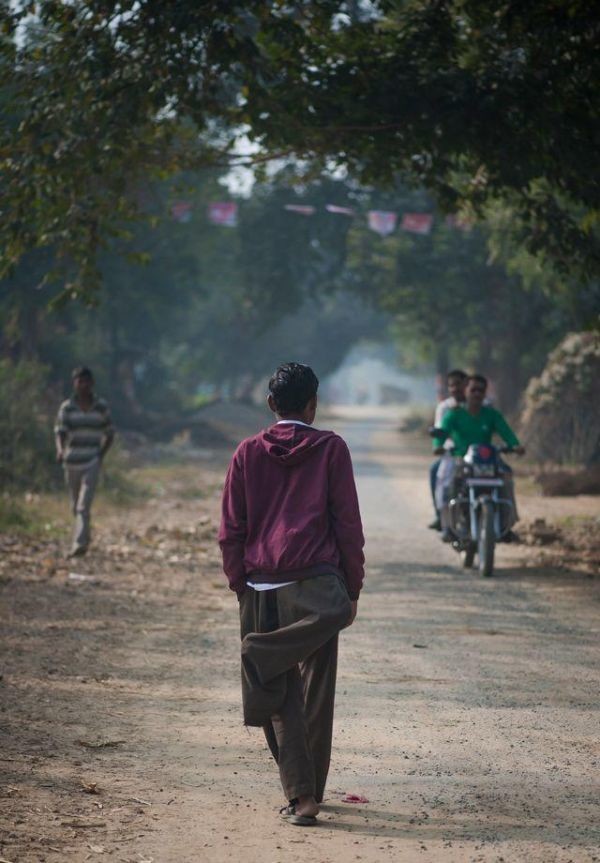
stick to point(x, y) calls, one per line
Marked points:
point(290, 444)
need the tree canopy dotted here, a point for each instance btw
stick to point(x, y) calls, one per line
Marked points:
point(111, 111)
point(476, 101)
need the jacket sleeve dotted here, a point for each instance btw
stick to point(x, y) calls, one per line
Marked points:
point(345, 518)
point(232, 532)
point(502, 428)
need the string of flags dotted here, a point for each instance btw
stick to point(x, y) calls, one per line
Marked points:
point(223, 213)
point(383, 222)
point(182, 211)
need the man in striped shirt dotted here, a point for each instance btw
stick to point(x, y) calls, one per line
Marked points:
point(84, 434)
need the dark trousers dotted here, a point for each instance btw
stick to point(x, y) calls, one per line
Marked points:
point(433, 472)
point(289, 665)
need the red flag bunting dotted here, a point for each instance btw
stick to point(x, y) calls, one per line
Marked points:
point(223, 213)
point(342, 211)
point(301, 209)
point(382, 221)
point(181, 211)
point(417, 223)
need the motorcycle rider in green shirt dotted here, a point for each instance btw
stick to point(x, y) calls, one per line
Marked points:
point(476, 423)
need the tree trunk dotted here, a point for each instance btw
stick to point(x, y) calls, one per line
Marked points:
point(442, 367)
point(508, 383)
point(28, 320)
point(114, 353)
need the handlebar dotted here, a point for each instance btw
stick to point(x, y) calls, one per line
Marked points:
point(440, 433)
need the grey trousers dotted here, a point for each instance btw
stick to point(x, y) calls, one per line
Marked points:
point(82, 483)
point(289, 665)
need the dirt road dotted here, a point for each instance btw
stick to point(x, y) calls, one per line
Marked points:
point(467, 710)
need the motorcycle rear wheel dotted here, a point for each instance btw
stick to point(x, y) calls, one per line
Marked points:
point(486, 539)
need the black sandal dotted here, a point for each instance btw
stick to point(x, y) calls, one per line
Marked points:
point(289, 814)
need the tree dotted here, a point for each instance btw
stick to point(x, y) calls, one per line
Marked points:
point(280, 266)
point(475, 101)
point(102, 97)
point(453, 304)
point(187, 304)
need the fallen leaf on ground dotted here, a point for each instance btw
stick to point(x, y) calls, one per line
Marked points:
point(354, 798)
point(144, 802)
point(97, 849)
point(90, 787)
point(100, 744)
point(80, 576)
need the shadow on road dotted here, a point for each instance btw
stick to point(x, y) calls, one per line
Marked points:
point(560, 575)
point(390, 574)
point(490, 826)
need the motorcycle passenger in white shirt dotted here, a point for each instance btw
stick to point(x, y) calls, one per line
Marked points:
point(456, 383)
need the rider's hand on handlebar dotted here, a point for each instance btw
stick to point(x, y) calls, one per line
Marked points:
point(439, 450)
point(520, 450)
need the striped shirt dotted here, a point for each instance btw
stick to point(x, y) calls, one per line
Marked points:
point(85, 430)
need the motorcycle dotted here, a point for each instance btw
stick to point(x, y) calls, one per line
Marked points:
point(478, 515)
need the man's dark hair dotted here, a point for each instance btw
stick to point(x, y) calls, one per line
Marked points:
point(82, 372)
point(457, 373)
point(480, 380)
point(292, 386)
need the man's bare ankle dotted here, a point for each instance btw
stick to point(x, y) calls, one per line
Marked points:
point(307, 805)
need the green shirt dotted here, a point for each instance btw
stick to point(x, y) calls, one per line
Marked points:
point(466, 429)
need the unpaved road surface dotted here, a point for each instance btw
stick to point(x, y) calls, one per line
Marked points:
point(467, 709)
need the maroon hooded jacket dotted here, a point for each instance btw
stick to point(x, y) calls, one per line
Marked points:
point(290, 510)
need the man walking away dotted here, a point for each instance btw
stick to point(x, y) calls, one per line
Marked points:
point(83, 434)
point(292, 540)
